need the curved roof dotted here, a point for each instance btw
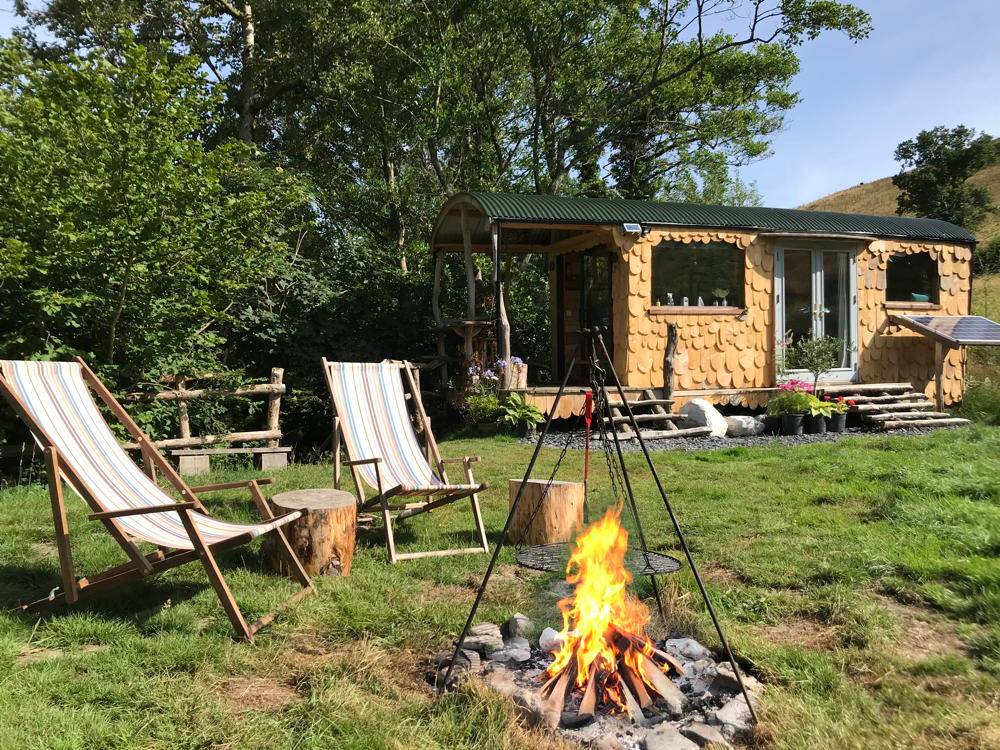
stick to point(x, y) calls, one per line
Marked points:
point(555, 209)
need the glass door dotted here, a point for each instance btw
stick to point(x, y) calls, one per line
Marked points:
point(815, 295)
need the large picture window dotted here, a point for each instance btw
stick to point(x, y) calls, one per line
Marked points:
point(912, 278)
point(713, 273)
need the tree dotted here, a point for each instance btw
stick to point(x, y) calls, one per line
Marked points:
point(936, 166)
point(392, 104)
point(140, 246)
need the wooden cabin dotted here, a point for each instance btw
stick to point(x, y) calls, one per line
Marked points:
point(739, 283)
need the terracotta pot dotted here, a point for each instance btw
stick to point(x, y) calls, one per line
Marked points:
point(791, 424)
point(815, 424)
point(837, 422)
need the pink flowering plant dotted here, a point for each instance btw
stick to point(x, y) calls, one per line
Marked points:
point(793, 397)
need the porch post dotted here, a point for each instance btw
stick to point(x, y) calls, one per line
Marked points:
point(470, 281)
point(439, 318)
point(503, 325)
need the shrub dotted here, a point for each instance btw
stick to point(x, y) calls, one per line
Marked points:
point(790, 402)
point(482, 408)
point(986, 258)
point(816, 355)
point(519, 413)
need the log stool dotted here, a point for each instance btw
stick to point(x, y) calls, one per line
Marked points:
point(323, 537)
point(554, 520)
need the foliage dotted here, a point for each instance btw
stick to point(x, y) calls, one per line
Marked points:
point(790, 402)
point(517, 412)
point(137, 246)
point(986, 258)
point(819, 407)
point(936, 165)
point(981, 402)
point(817, 355)
point(482, 408)
point(838, 405)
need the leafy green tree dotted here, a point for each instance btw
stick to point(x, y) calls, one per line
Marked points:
point(140, 248)
point(937, 164)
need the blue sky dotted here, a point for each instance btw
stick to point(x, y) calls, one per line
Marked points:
point(926, 63)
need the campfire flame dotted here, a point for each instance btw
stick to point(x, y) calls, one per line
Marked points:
point(605, 650)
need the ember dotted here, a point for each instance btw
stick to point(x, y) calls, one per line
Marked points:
point(605, 652)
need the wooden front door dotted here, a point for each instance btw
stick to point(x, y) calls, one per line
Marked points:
point(583, 300)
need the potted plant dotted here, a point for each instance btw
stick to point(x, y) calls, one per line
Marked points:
point(819, 412)
point(815, 355)
point(482, 411)
point(837, 421)
point(520, 415)
point(791, 403)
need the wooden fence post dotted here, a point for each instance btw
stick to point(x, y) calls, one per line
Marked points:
point(274, 406)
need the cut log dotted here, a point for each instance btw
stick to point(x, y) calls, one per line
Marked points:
point(323, 537)
point(546, 517)
point(683, 432)
point(905, 424)
point(879, 408)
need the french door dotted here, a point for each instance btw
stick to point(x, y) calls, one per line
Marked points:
point(815, 295)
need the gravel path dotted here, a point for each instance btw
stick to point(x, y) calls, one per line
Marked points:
point(576, 438)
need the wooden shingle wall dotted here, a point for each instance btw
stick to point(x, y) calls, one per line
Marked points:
point(714, 350)
point(890, 353)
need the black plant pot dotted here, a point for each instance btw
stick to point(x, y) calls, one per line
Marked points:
point(791, 424)
point(815, 424)
point(837, 422)
point(772, 425)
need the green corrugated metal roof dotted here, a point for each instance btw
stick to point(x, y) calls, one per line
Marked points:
point(573, 210)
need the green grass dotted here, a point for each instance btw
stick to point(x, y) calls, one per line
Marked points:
point(860, 579)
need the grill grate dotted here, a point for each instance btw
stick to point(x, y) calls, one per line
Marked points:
point(553, 557)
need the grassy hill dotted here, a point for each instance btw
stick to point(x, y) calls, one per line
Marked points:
point(879, 197)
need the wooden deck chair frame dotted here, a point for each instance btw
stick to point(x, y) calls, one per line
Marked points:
point(393, 511)
point(140, 565)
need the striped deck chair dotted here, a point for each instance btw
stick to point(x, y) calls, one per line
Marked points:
point(372, 418)
point(55, 402)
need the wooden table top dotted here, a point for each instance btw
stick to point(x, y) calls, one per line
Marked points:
point(316, 499)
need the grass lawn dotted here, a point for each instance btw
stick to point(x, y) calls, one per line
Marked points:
point(860, 579)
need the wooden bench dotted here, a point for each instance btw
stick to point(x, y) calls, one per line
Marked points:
point(196, 460)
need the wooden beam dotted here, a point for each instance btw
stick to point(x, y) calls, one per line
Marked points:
point(70, 585)
point(273, 421)
point(503, 324)
point(193, 442)
point(195, 394)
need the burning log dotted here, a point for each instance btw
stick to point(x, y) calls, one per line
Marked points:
point(605, 652)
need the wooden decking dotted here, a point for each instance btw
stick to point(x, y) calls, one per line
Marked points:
point(893, 406)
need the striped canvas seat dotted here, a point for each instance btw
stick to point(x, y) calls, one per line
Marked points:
point(58, 399)
point(369, 399)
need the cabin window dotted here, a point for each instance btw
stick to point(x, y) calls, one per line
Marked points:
point(712, 273)
point(912, 278)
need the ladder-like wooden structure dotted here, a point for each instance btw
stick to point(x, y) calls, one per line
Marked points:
point(893, 406)
point(650, 410)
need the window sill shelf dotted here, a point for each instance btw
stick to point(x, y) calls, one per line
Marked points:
point(694, 310)
point(911, 306)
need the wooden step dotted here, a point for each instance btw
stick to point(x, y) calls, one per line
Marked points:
point(881, 408)
point(667, 402)
point(840, 390)
point(623, 419)
point(907, 415)
point(904, 424)
point(886, 399)
point(685, 432)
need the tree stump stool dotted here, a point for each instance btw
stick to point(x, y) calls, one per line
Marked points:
point(323, 537)
point(538, 521)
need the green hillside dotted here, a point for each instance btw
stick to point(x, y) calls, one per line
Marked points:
point(879, 197)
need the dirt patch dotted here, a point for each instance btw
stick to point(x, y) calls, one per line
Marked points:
point(242, 694)
point(922, 634)
point(798, 631)
point(306, 651)
point(31, 655)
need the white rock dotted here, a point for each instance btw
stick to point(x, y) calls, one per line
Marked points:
point(484, 638)
point(741, 426)
point(505, 655)
point(686, 649)
point(700, 413)
point(703, 736)
point(550, 640)
point(725, 680)
point(733, 718)
point(667, 737)
point(518, 626)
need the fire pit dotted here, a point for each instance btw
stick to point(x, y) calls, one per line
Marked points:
point(602, 679)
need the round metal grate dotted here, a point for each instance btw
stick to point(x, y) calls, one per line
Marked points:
point(553, 557)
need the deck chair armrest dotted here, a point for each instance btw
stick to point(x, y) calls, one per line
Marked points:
point(462, 460)
point(141, 511)
point(231, 485)
point(361, 461)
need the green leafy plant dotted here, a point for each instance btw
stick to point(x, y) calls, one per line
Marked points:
point(790, 402)
point(720, 293)
point(482, 408)
point(838, 405)
point(519, 413)
point(818, 407)
point(815, 355)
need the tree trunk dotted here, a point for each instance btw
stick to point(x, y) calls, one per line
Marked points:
point(538, 521)
point(247, 87)
point(323, 537)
